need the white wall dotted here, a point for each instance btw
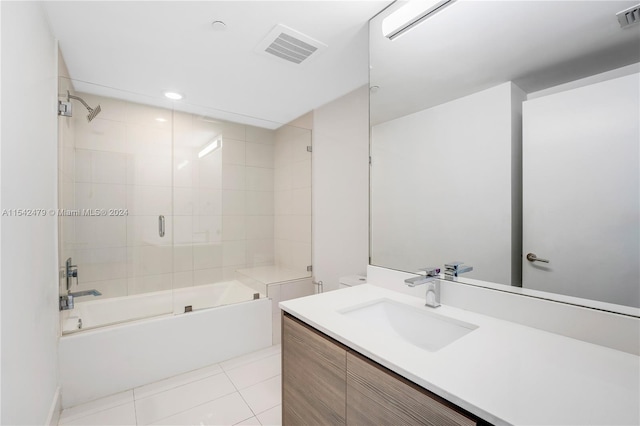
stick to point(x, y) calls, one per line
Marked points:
point(29, 244)
point(340, 179)
point(443, 186)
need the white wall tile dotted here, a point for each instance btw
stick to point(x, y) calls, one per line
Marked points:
point(149, 169)
point(233, 202)
point(233, 177)
point(283, 202)
point(260, 252)
point(149, 200)
point(207, 256)
point(260, 227)
point(233, 253)
point(101, 264)
point(100, 231)
point(100, 196)
point(209, 171)
point(182, 229)
point(233, 151)
point(259, 155)
point(208, 202)
point(260, 135)
point(207, 229)
point(301, 174)
point(259, 179)
point(149, 260)
point(183, 201)
point(259, 203)
point(282, 177)
point(300, 228)
point(100, 166)
point(182, 279)
point(108, 288)
point(149, 283)
point(301, 201)
point(182, 257)
point(234, 228)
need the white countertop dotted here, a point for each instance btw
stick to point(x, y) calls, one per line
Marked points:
point(504, 373)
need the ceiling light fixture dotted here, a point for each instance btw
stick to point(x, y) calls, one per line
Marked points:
point(211, 146)
point(161, 120)
point(174, 96)
point(410, 15)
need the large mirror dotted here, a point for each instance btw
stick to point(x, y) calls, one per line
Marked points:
point(505, 135)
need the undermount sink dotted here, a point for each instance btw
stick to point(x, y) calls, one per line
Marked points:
point(418, 326)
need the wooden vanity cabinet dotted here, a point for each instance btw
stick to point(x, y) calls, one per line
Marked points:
point(326, 383)
point(314, 371)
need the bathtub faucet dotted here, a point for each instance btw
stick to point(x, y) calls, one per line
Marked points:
point(66, 302)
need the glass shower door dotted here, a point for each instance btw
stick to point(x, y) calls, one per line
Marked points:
point(115, 211)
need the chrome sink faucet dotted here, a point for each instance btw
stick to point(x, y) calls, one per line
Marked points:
point(431, 279)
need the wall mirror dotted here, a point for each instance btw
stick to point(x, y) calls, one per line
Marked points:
point(505, 134)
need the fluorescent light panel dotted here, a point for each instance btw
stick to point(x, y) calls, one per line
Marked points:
point(410, 15)
point(210, 147)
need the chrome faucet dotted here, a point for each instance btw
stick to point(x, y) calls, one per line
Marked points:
point(67, 301)
point(70, 271)
point(454, 269)
point(431, 279)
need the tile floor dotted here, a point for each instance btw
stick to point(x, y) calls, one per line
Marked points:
point(240, 391)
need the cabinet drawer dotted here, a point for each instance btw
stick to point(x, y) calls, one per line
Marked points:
point(376, 396)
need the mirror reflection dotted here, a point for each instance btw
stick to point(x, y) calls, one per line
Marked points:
point(505, 135)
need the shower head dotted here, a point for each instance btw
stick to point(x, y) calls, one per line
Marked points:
point(92, 111)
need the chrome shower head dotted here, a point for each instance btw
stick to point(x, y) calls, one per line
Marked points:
point(92, 111)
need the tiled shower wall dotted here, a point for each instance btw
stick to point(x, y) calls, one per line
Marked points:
point(219, 209)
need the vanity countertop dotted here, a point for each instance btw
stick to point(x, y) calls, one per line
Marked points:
point(504, 373)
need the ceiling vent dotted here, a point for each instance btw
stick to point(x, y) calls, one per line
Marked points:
point(290, 45)
point(629, 16)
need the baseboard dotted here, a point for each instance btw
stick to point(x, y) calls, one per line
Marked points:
point(54, 411)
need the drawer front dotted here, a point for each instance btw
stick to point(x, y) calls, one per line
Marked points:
point(376, 397)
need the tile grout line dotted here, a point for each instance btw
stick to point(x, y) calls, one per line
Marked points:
point(190, 408)
point(81, 416)
point(242, 397)
point(177, 385)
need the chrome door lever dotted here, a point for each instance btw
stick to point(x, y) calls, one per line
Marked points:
point(531, 257)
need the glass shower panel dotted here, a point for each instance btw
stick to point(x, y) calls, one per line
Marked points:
point(114, 189)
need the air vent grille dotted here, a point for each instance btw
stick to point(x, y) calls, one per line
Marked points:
point(629, 16)
point(290, 45)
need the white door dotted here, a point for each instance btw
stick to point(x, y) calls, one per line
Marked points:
point(581, 190)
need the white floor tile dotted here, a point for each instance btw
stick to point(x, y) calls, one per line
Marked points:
point(249, 358)
point(227, 410)
point(264, 395)
point(253, 421)
point(121, 415)
point(175, 381)
point(182, 398)
point(271, 417)
point(255, 372)
point(83, 410)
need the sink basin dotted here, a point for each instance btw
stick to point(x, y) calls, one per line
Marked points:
point(418, 326)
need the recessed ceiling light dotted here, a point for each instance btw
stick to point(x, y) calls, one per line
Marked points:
point(161, 120)
point(173, 96)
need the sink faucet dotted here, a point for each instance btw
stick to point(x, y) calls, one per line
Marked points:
point(431, 279)
point(454, 269)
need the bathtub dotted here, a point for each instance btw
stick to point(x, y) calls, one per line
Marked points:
point(91, 314)
point(102, 359)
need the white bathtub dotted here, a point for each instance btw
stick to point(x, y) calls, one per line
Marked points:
point(90, 314)
point(109, 359)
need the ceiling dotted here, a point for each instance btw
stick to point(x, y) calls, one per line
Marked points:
point(474, 45)
point(137, 50)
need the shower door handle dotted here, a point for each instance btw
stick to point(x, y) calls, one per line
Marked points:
point(161, 226)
